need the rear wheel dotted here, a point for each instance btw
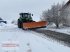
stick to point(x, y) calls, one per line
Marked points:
point(19, 24)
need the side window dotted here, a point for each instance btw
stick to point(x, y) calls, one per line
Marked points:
point(26, 15)
point(20, 15)
point(29, 16)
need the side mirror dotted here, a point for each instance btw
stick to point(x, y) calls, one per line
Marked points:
point(32, 14)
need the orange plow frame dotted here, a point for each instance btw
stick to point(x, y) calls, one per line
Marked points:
point(30, 25)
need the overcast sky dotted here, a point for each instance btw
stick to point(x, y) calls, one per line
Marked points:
point(10, 9)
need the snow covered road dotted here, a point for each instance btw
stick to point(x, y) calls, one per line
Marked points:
point(13, 39)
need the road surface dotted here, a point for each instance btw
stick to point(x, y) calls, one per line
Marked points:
point(60, 37)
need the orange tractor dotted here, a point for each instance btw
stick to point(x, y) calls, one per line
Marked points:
point(25, 22)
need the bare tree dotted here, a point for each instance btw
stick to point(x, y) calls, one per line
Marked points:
point(53, 15)
point(55, 12)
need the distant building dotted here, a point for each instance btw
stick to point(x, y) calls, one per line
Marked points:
point(66, 12)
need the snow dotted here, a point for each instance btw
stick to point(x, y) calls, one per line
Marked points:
point(62, 29)
point(27, 41)
point(2, 24)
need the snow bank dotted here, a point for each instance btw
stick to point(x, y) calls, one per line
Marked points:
point(62, 29)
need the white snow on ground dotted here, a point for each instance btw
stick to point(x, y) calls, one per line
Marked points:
point(13, 39)
point(62, 29)
point(2, 24)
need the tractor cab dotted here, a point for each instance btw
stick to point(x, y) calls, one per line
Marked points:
point(24, 18)
point(25, 15)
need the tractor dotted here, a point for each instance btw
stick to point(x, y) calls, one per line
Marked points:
point(25, 21)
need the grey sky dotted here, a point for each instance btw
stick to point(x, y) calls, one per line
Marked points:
point(10, 9)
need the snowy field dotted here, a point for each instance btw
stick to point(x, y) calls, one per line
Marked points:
point(13, 39)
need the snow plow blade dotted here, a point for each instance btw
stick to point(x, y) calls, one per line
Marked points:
point(31, 25)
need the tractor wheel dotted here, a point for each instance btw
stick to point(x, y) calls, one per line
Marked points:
point(19, 24)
